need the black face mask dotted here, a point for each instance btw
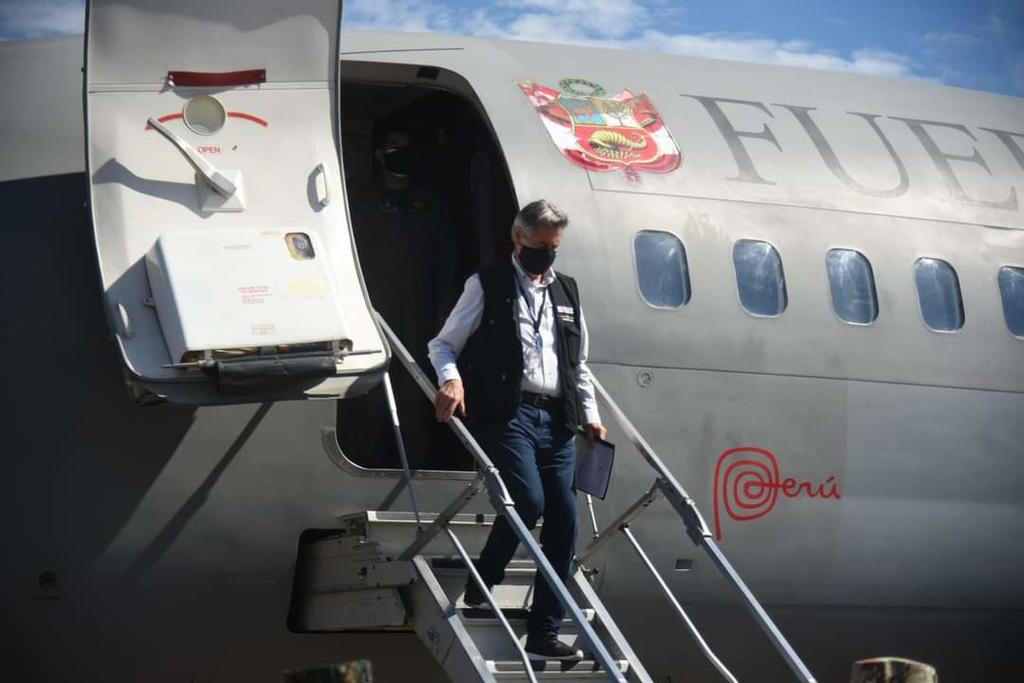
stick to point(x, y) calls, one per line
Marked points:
point(536, 261)
point(398, 161)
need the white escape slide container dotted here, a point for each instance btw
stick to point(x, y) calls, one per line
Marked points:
point(238, 289)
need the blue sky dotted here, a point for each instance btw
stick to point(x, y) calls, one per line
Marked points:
point(975, 44)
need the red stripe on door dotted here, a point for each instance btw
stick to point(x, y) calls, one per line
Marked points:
point(247, 117)
point(231, 114)
point(205, 79)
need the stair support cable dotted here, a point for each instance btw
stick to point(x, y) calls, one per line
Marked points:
point(479, 581)
point(503, 505)
point(708, 652)
point(396, 427)
point(698, 531)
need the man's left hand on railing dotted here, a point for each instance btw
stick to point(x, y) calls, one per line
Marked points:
point(450, 399)
point(596, 430)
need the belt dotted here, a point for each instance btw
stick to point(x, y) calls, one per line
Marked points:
point(538, 400)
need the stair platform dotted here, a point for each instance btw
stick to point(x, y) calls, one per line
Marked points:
point(394, 531)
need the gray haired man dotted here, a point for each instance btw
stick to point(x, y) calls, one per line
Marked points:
point(511, 358)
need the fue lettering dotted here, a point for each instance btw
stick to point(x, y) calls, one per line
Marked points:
point(947, 160)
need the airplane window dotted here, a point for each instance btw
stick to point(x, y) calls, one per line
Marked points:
point(853, 286)
point(1011, 286)
point(759, 278)
point(938, 292)
point(661, 269)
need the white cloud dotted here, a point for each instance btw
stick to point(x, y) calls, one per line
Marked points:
point(624, 24)
point(398, 15)
point(601, 18)
point(768, 51)
point(881, 63)
point(31, 18)
point(627, 24)
point(536, 26)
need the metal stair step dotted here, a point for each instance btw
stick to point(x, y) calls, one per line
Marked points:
point(515, 616)
point(586, 670)
point(492, 640)
point(515, 591)
point(442, 564)
point(395, 530)
point(508, 595)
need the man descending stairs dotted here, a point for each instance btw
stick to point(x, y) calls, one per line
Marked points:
point(380, 571)
point(515, 346)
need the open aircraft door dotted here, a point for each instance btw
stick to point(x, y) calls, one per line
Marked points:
point(217, 200)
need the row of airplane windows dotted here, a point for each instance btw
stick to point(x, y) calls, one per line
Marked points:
point(664, 279)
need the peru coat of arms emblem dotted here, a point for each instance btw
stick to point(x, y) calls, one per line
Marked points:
point(602, 133)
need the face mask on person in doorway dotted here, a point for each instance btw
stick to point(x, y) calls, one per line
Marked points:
point(398, 161)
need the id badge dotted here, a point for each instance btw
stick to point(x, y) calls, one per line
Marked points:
point(533, 353)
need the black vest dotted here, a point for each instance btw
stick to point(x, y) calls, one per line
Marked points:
point(491, 365)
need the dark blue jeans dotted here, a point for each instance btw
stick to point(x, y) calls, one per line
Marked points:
point(536, 456)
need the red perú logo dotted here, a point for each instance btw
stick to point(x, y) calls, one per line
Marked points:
point(748, 482)
point(599, 133)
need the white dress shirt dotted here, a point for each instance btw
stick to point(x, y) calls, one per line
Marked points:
point(540, 378)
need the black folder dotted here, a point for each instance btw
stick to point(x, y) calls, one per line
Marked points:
point(594, 465)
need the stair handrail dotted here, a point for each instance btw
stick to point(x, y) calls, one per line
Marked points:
point(697, 529)
point(503, 504)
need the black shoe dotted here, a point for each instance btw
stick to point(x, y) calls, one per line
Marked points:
point(474, 598)
point(552, 648)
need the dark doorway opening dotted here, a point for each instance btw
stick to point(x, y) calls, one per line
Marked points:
point(418, 237)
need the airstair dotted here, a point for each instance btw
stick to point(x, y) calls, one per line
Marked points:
point(399, 571)
point(347, 572)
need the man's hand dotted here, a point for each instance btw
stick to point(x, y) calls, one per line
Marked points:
point(450, 397)
point(596, 430)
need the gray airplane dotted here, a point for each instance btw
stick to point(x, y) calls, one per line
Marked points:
point(804, 290)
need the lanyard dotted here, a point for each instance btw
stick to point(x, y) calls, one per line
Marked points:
point(535, 320)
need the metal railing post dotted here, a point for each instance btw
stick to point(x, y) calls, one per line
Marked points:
point(593, 517)
point(396, 426)
point(708, 652)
